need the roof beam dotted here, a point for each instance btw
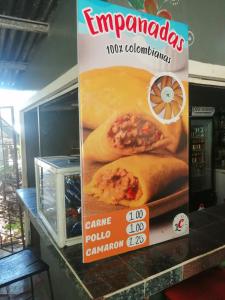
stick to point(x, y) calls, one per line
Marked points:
point(20, 66)
point(8, 22)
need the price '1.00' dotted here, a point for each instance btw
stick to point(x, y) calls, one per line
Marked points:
point(136, 227)
point(135, 215)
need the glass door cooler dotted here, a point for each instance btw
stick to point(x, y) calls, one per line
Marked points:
point(201, 163)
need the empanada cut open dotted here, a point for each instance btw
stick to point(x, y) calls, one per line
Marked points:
point(130, 133)
point(135, 180)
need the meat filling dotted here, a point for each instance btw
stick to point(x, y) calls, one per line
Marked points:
point(117, 185)
point(130, 131)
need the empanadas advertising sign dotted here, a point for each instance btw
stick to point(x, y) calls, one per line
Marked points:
point(133, 97)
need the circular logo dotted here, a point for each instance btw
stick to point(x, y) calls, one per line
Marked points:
point(191, 38)
point(166, 98)
point(180, 224)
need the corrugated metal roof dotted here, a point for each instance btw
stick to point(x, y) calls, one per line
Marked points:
point(18, 42)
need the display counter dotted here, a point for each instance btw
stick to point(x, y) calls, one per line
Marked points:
point(135, 275)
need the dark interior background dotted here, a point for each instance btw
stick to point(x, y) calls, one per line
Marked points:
point(51, 129)
point(203, 95)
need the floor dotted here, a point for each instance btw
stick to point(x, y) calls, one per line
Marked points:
point(3, 253)
point(21, 290)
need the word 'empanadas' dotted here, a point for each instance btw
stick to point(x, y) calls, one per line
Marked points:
point(109, 90)
point(133, 181)
point(129, 134)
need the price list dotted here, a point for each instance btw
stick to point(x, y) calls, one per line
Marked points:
point(119, 232)
point(136, 227)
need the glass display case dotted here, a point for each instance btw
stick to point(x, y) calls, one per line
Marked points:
point(201, 154)
point(202, 187)
point(58, 197)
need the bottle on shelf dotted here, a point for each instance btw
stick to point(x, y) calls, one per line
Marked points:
point(201, 206)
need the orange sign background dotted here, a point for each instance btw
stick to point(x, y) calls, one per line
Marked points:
point(114, 235)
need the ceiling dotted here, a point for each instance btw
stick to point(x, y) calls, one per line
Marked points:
point(28, 56)
point(23, 23)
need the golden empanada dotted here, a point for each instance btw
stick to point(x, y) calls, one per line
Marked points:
point(130, 133)
point(135, 180)
point(110, 90)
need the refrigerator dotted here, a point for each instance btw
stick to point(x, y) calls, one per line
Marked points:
point(202, 192)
